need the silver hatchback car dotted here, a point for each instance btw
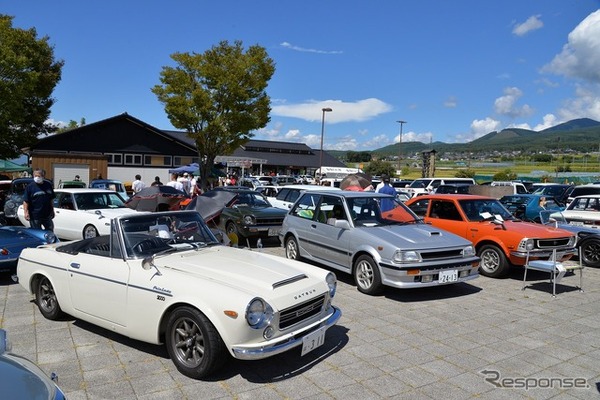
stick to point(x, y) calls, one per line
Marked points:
point(376, 239)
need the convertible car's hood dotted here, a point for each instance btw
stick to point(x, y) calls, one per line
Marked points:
point(422, 235)
point(249, 270)
point(112, 212)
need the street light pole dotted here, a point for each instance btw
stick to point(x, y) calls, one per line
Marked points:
point(326, 109)
point(400, 145)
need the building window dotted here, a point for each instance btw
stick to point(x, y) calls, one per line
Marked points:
point(133, 159)
point(179, 161)
point(157, 161)
point(114, 159)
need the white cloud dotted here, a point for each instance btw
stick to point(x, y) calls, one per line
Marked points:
point(533, 23)
point(361, 110)
point(506, 105)
point(481, 127)
point(549, 121)
point(305, 50)
point(586, 104)
point(451, 102)
point(424, 137)
point(345, 143)
point(376, 142)
point(580, 57)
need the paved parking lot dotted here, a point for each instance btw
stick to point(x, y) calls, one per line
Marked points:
point(429, 343)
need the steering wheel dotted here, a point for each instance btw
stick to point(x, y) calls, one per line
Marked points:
point(143, 245)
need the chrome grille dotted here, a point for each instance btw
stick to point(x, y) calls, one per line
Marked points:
point(300, 312)
point(552, 243)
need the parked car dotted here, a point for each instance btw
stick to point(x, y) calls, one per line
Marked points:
point(4, 189)
point(71, 184)
point(250, 215)
point(501, 240)
point(110, 184)
point(401, 183)
point(583, 190)
point(202, 299)
point(13, 239)
point(423, 186)
point(268, 190)
point(583, 210)
point(517, 187)
point(588, 237)
point(528, 206)
point(20, 378)
point(453, 188)
point(83, 213)
point(558, 191)
point(289, 194)
point(14, 198)
point(348, 231)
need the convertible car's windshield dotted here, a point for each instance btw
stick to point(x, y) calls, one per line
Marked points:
point(152, 233)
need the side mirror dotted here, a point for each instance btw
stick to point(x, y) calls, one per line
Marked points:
point(342, 224)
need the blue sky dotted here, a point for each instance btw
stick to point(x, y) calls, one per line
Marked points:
point(453, 70)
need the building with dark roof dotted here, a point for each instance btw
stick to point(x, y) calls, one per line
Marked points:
point(123, 146)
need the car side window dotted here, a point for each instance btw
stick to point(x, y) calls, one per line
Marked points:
point(282, 193)
point(330, 207)
point(419, 207)
point(293, 196)
point(444, 210)
point(306, 206)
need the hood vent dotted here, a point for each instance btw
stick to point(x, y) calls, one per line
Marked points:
point(289, 280)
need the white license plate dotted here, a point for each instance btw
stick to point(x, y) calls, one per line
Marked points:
point(313, 340)
point(274, 231)
point(448, 276)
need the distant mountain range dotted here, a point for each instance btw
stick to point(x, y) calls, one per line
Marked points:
point(581, 135)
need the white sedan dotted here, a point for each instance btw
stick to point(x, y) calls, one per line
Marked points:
point(164, 278)
point(583, 210)
point(287, 195)
point(83, 213)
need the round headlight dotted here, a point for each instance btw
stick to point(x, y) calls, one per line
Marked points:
point(331, 283)
point(50, 237)
point(258, 313)
point(249, 220)
point(10, 204)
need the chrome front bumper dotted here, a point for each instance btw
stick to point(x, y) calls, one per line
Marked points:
point(284, 343)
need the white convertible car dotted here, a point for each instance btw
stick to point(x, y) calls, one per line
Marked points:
point(83, 213)
point(164, 278)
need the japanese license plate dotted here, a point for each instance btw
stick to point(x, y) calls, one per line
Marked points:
point(313, 340)
point(274, 231)
point(448, 276)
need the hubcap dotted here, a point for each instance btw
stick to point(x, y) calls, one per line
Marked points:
point(188, 342)
point(47, 296)
point(490, 261)
point(364, 275)
point(292, 250)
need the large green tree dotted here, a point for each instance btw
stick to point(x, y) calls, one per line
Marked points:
point(217, 97)
point(28, 76)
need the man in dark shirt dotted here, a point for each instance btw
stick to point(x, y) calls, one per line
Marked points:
point(37, 202)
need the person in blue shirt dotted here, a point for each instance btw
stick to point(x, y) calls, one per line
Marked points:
point(386, 188)
point(38, 202)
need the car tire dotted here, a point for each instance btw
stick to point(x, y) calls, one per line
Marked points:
point(292, 250)
point(493, 261)
point(193, 343)
point(46, 300)
point(89, 231)
point(366, 275)
point(231, 228)
point(590, 252)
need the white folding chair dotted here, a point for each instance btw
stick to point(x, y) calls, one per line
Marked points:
point(556, 269)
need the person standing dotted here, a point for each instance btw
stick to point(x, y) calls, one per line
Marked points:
point(38, 202)
point(138, 184)
point(156, 182)
point(174, 183)
point(386, 204)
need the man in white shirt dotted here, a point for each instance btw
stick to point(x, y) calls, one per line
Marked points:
point(137, 185)
point(173, 183)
